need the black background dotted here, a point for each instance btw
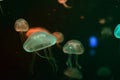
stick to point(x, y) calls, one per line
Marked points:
point(15, 62)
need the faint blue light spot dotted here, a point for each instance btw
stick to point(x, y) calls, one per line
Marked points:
point(92, 52)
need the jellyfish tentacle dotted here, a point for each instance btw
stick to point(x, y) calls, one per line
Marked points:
point(52, 59)
point(22, 36)
point(32, 64)
point(40, 55)
point(76, 62)
point(69, 63)
point(48, 58)
point(66, 6)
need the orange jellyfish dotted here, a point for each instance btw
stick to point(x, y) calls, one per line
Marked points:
point(63, 2)
point(36, 29)
point(60, 38)
point(21, 26)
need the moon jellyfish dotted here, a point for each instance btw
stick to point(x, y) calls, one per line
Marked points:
point(63, 2)
point(73, 73)
point(60, 38)
point(21, 26)
point(106, 32)
point(117, 31)
point(104, 71)
point(40, 41)
point(73, 47)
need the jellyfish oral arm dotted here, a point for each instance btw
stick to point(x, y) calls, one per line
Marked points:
point(69, 63)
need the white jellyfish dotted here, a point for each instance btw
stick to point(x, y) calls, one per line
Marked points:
point(63, 2)
point(21, 26)
point(41, 41)
point(73, 47)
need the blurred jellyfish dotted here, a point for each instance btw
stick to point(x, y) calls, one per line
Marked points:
point(73, 47)
point(60, 38)
point(40, 41)
point(104, 71)
point(73, 73)
point(21, 26)
point(63, 2)
point(36, 29)
point(102, 21)
point(106, 32)
point(117, 31)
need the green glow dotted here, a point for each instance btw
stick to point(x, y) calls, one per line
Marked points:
point(104, 71)
point(73, 73)
point(38, 41)
point(73, 47)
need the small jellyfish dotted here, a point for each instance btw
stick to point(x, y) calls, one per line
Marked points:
point(60, 38)
point(117, 31)
point(102, 21)
point(104, 71)
point(73, 47)
point(41, 41)
point(63, 2)
point(73, 73)
point(21, 26)
point(106, 32)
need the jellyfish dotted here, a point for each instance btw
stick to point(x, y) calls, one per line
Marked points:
point(73, 47)
point(63, 2)
point(36, 29)
point(106, 32)
point(21, 26)
point(73, 73)
point(60, 38)
point(117, 31)
point(40, 41)
point(104, 71)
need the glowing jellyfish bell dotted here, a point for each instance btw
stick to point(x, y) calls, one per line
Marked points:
point(60, 38)
point(41, 41)
point(117, 31)
point(63, 2)
point(21, 26)
point(38, 41)
point(73, 47)
point(73, 73)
